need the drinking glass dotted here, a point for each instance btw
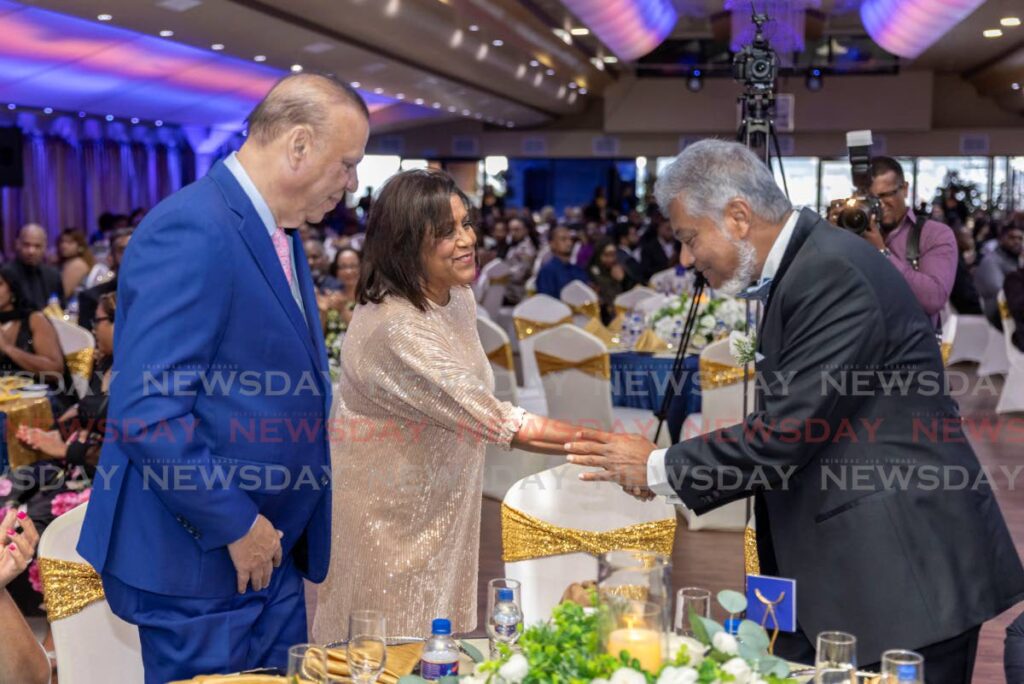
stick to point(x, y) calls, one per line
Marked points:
point(307, 664)
point(902, 667)
point(836, 661)
point(493, 588)
point(691, 600)
point(367, 645)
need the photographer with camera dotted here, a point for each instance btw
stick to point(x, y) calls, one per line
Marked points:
point(924, 251)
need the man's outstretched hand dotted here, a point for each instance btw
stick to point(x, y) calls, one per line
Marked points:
point(622, 456)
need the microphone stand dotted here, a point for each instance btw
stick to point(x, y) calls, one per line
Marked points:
point(675, 380)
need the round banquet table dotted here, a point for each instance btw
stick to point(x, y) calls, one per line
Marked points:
point(640, 380)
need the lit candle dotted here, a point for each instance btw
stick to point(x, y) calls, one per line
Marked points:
point(642, 644)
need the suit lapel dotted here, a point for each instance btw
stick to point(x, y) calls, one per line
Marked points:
point(804, 225)
point(254, 233)
point(314, 329)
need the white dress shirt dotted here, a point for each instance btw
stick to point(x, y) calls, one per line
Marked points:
point(657, 478)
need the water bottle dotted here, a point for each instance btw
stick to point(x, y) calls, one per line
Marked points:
point(677, 333)
point(72, 311)
point(441, 653)
point(53, 301)
point(503, 626)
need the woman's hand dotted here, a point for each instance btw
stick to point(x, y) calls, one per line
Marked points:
point(618, 273)
point(19, 547)
point(47, 441)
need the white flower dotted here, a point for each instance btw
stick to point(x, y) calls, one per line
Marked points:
point(515, 670)
point(725, 643)
point(742, 347)
point(627, 675)
point(678, 675)
point(707, 322)
point(599, 680)
point(739, 669)
point(694, 649)
point(474, 679)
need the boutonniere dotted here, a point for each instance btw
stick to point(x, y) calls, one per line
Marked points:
point(743, 347)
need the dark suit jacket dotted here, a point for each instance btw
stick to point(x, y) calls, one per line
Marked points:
point(38, 284)
point(896, 566)
point(90, 299)
point(1013, 288)
point(652, 256)
point(634, 272)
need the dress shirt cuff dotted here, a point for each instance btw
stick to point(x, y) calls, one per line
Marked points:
point(657, 477)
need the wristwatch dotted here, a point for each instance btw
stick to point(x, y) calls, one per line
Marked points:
point(885, 252)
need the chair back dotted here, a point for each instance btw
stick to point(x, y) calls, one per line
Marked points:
point(93, 646)
point(583, 301)
point(78, 347)
point(1011, 398)
point(628, 300)
point(499, 352)
point(558, 497)
point(494, 281)
point(530, 317)
point(576, 393)
point(670, 282)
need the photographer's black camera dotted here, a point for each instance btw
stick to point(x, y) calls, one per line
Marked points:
point(854, 213)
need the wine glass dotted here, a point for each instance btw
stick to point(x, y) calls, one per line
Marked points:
point(691, 600)
point(902, 667)
point(367, 645)
point(836, 660)
point(307, 664)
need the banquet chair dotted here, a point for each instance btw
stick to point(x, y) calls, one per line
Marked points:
point(583, 301)
point(967, 336)
point(529, 317)
point(499, 352)
point(548, 526)
point(493, 281)
point(649, 306)
point(575, 369)
point(628, 300)
point(721, 406)
point(1011, 399)
point(994, 360)
point(93, 645)
point(78, 347)
point(669, 282)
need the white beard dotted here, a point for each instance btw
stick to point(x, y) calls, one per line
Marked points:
point(744, 274)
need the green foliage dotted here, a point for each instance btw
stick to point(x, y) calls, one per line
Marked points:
point(733, 601)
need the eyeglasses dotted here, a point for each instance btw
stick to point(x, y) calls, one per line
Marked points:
point(891, 193)
point(99, 319)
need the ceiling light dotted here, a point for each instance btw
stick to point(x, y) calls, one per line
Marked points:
point(418, 100)
point(47, 110)
point(814, 80)
point(451, 108)
point(104, 17)
point(538, 79)
point(478, 115)
point(217, 47)
point(696, 81)
point(521, 71)
point(166, 33)
point(436, 105)
point(378, 91)
point(158, 122)
point(1015, 85)
point(466, 112)
point(481, 52)
point(12, 106)
point(109, 117)
point(992, 33)
point(1010, 21)
point(580, 31)
point(550, 72)
point(572, 97)
point(392, 8)
point(135, 119)
point(572, 85)
point(474, 28)
point(259, 58)
point(456, 40)
point(511, 124)
point(611, 59)
point(534, 63)
point(561, 92)
point(598, 63)
point(497, 42)
point(296, 68)
point(355, 84)
point(564, 35)
point(582, 91)
point(81, 115)
point(400, 96)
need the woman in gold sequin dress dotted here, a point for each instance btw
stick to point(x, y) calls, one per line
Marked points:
point(414, 409)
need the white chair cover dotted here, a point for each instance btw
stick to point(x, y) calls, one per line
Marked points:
point(93, 646)
point(994, 360)
point(1011, 399)
point(492, 337)
point(667, 282)
point(967, 334)
point(492, 293)
point(650, 305)
point(578, 293)
point(543, 309)
point(721, 407)
point(631, 298)
point(557, 496)
point(73, 338)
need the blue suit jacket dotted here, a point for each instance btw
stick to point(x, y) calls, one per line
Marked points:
point(218, 402)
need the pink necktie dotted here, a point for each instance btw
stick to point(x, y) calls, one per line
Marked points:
point(280, 241)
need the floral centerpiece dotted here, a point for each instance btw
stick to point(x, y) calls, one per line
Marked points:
point(567, 650)
point(716, 318)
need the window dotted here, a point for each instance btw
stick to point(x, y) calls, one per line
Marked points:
point(373, 171)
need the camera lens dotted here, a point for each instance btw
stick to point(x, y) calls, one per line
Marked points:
point(854, 219)
point(760, 68)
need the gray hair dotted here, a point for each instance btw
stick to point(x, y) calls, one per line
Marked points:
point(711, 173)
point(301, 100)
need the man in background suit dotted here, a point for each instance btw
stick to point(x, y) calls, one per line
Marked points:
point(212, 500)
point(918, 565)
point(39, 281)
point(658, 249)
point(90, 298)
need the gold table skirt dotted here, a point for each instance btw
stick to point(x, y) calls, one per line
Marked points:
point(29, 411)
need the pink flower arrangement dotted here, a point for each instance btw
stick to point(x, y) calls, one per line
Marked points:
point(64, 502)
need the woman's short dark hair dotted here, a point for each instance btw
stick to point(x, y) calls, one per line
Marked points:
point(108, 302)
point(22, 307)
point(337, 255)
point(412, 210)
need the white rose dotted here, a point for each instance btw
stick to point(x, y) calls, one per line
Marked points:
point(725, 643)
point(694, 649)
point(739, 669)
point(678, 675)
point(515, 670)
point(707, 322)
point(599, 680)
point(627, 675)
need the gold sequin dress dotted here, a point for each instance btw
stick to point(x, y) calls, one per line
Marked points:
point(413, 410)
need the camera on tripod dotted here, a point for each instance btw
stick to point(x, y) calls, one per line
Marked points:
point(756, 65)
point(854, 213)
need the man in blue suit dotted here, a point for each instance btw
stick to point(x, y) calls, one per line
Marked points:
point(212, 500)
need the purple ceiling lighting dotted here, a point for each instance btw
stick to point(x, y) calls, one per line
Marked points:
point(630, 28)
point(48, 59)
point(906, 28)
point(785, 26)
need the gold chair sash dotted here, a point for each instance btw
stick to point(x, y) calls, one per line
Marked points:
point(1004, 309)
point(751, 562)
point(68, 587)
point(945, 348)
point(714, 374)
point(524, 537)
point(595, 328)
point(588, 309)
point(501, 356)
point(527, 328)
point(599, 366)
point(80, 362)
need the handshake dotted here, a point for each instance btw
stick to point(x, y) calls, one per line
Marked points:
point(623, 458)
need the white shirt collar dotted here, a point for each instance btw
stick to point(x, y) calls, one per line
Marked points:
point(260, 204)
point(778, 250)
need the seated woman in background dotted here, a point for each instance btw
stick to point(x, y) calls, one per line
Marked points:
point(607, 277)
point(79, 269)
point(28, 341)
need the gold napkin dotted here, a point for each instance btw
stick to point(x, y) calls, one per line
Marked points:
point(598, 330)
point(401, 660)
point(649, 342)
point(234, 679)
